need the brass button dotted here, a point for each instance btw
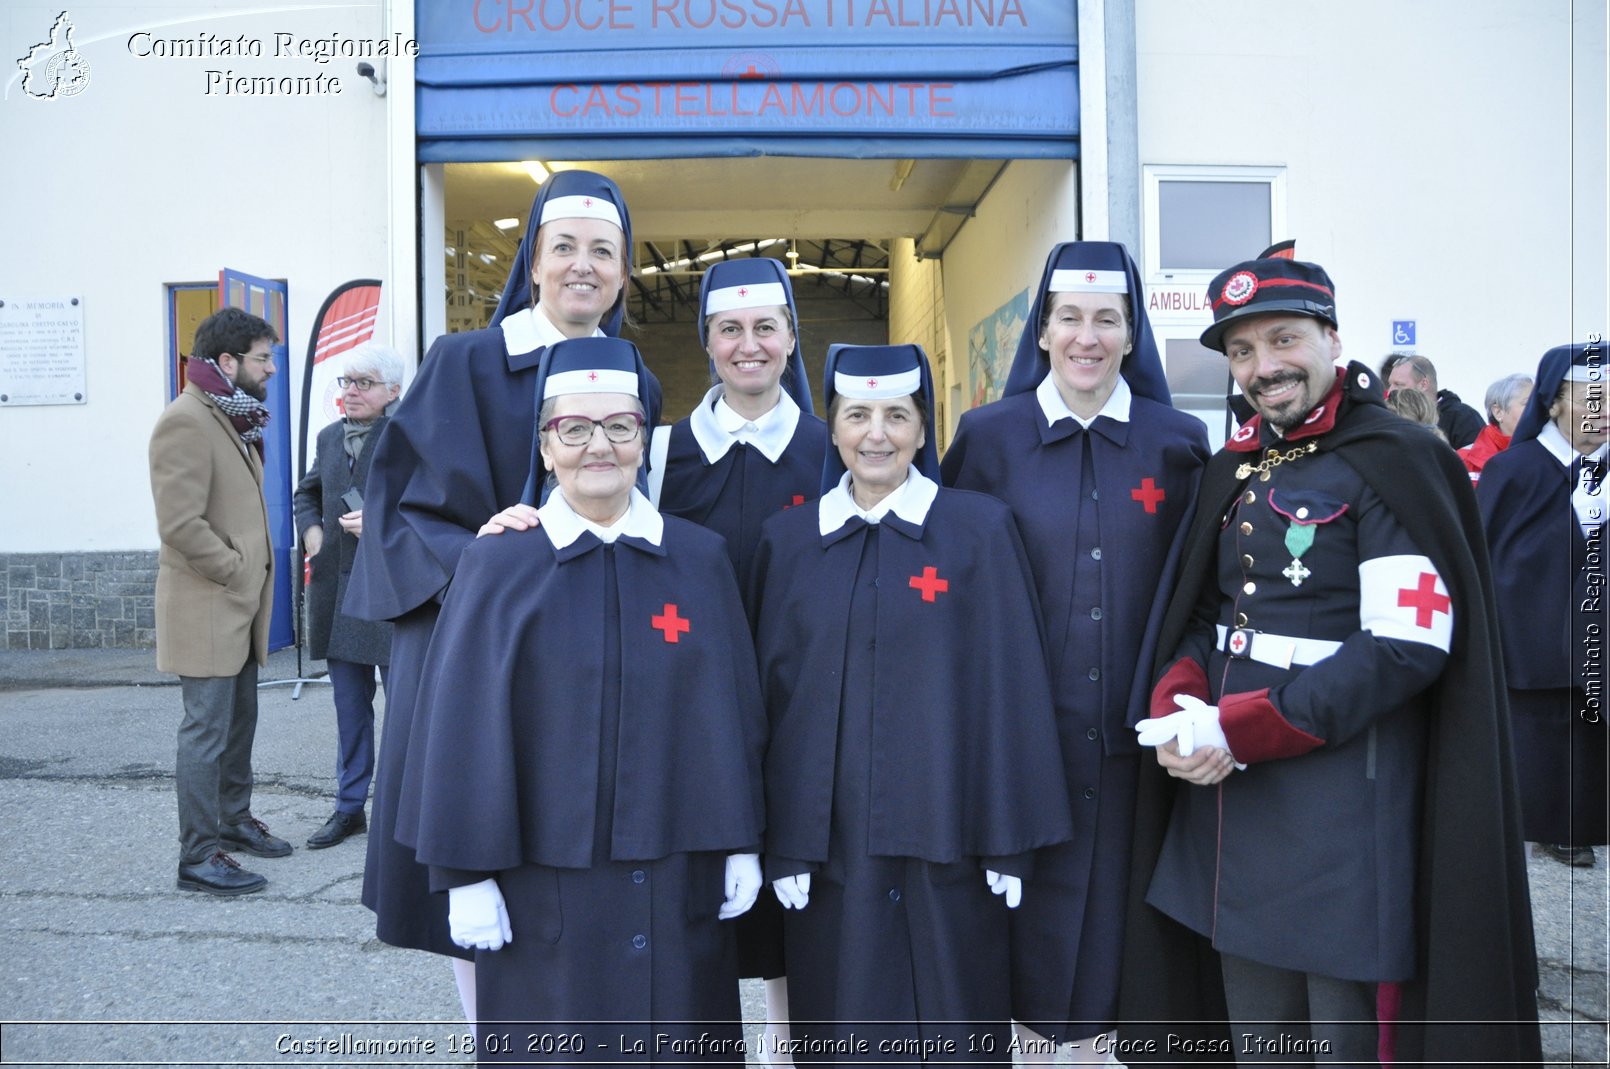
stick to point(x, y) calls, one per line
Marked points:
point(1246, 528)
point(1250, 588)
point(1249, 497)
point(1241, 619)
point(1246, 560)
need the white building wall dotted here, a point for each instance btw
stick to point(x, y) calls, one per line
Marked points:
point(142, 179)
point(1001, 251)
point(1445, 163)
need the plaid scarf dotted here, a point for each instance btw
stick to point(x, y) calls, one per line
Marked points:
point(246, 412)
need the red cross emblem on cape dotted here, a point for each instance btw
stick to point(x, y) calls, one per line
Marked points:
point(668, 622)
point(929, 583)
point(798, 499)
point(1148, 493)
point(1424, 600)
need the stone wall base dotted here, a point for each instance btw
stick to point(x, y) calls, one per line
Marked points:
point(63, 601)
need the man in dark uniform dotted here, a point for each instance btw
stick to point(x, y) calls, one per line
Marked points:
point(1455, 419)
point(1330, 712)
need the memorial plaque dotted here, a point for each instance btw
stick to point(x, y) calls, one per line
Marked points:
point(41, 351)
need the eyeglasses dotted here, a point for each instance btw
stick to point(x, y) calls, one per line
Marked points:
point(362, 384)
point(254, 358)
point(619, 427)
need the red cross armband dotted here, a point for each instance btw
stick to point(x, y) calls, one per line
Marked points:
point(1403, 597)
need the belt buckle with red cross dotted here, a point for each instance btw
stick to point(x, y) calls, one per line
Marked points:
point(1239, 643)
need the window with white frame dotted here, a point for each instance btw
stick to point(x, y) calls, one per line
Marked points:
point(1198, 220)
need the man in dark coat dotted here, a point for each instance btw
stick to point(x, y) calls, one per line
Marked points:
point(1341, 733)
point(1458, 421)
point(330, 498)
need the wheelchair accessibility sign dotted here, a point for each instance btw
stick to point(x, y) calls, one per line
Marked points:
point(1403, 332)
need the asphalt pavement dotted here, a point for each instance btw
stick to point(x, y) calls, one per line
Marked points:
point(105, 962)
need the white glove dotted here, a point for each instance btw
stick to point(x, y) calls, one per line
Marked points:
point(476, 917)
point(1195, 724)
point(1589, 503)
point(794, 892)
point(742, 885)
point(1001, 884)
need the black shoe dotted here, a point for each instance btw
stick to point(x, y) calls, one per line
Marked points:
point(1580, 857)
point(220, 874)
point(251, 835)
point(335, 829)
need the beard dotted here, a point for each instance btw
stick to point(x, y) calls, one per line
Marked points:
point(259, 390)
point(1286, 414)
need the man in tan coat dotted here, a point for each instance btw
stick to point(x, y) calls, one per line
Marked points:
point(215, 592)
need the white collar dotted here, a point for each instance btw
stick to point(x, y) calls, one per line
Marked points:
point(1558, 446)
point(717, 427)
point(1055, 408)
point(564, 525)
point(529, 329)
point(910, 501)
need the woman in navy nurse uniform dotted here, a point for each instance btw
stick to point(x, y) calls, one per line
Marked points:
point(457, 450)
point(1543, 504)
point(587, 789)
point(750, 449)
point(913, 746)
point(1100, 473)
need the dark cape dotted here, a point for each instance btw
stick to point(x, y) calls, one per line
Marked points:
point(955, 780)
point(1067, 935)
point(1551, 579)
point(602, 791)
point(1476, 966)
point(507, 777)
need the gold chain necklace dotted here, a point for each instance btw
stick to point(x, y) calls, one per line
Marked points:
point(1273, 460)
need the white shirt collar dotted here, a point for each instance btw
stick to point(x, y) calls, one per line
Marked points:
point(1557, 445)
point(910, 501)
point(1055, 408)
point(529, 329)
point(564, 525)
point(717, 427)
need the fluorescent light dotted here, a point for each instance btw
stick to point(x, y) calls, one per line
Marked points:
point(537, 170)
point(506, 224)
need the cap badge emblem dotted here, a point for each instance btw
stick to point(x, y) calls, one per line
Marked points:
point(1240, 288)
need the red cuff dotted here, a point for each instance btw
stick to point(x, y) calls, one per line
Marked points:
point(1185, 677)
point(1257, 732)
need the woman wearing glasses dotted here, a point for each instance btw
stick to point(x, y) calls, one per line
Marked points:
point(588, 789)
point(456, 451)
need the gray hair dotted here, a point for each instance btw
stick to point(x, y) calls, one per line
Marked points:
point(1505, 392)
point(382, 360)
point(1421, 366)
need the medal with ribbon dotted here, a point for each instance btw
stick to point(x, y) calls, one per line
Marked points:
point(1299, 538)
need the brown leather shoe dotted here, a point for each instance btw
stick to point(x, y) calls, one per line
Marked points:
point(252, 836)
point(220, 874)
